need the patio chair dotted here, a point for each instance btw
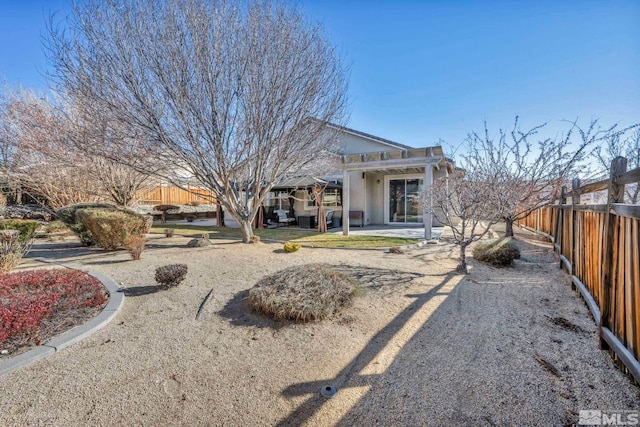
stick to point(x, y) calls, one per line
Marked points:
point(329, 217)
point(283, 218)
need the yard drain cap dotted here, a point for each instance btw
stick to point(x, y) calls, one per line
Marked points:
point(328, 391)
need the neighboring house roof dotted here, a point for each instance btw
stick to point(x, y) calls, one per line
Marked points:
point(369, 136)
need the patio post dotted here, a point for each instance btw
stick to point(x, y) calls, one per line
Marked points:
point(428, 204)
point(345, 202)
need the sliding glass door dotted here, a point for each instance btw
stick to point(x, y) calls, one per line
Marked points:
point(405, 200)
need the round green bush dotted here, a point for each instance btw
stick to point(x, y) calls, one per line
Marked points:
point(112, 228)
point(291, 247)
point(68, 215)
point(26, 228)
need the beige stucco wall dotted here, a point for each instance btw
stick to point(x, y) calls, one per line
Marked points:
point(375, 198)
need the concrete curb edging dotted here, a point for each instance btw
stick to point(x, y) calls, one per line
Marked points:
point(116, 300)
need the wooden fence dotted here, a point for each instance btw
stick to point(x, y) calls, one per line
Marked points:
point(599, 247)
point(166, 195)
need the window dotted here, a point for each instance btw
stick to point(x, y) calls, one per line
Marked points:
point(405, 200)
point(279, 199)
point(332, 197)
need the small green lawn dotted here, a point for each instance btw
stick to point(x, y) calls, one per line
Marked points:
point(305, 237)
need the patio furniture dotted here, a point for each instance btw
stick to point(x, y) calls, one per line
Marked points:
point(329, 219)
point(356, 218)
point(283, 218)
point(307, 221)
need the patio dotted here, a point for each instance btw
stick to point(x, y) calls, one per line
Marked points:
point(408, 231)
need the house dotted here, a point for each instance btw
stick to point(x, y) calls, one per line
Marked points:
point(377, 182)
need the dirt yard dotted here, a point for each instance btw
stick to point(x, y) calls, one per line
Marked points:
point(422, 346)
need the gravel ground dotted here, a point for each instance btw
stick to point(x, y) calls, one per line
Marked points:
point(422, 346)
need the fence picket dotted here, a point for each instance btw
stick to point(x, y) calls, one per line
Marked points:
point(599, 245)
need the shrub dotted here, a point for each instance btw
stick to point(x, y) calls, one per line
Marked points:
point(11, 250)
point(135, 245)
point(303, 293)
point(198, 243)
point(55, 227)
point(26, 228)
point(111, 228)
point(68, 215)
point(169, 232)
point(498, 253)
point(28, 298)
point(291, 247)
point(171, 275)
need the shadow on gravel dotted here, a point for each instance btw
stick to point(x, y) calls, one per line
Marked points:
point(142, 290)
point(237, 311)
point(355, 374)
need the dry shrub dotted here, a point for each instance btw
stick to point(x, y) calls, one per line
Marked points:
point(10, 250)
point(171, 275)
point(135, 246)
point(198, 242)
point(55, 227)
point(291, 247)
point(16, 238)
point(169, 232)
point(498, 253)
point(111, 228)
point(395, 250)
point(303, 293)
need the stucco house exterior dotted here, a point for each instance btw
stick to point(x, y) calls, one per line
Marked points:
point(376, 182)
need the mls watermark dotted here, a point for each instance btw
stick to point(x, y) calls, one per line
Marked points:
point(597, 417)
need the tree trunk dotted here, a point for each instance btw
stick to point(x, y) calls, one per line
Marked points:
point(509, 227)
point(462, 266)
point(219, 215)
point(246, 227)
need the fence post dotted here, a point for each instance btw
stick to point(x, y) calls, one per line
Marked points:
point(615, 195)
point(575, 200)
point(557, 239)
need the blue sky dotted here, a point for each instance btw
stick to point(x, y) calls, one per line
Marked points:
point(428, 70)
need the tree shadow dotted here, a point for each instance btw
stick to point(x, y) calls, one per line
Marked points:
point(237, 311)
point(61, 250)
point(142, 290)
point(107, 262)
point(350, 375)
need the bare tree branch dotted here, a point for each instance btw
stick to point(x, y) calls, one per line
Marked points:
point(235, 95)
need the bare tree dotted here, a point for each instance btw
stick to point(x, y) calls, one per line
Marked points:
point(233, 94)
point(8, 136)
point(39, 164)
point(528, 173)
point(104, 143)
point(621, 144)
point(469, 205)
point(46, 164)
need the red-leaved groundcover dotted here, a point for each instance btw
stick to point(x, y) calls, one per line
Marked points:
point(38, 304)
